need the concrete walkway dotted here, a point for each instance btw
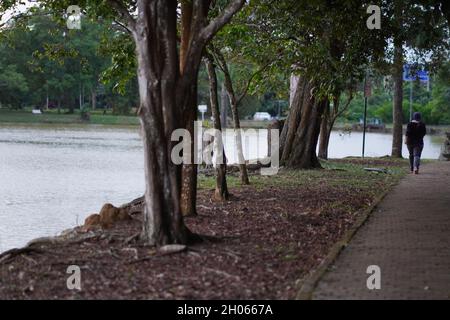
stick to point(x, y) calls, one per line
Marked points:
point(407, 236)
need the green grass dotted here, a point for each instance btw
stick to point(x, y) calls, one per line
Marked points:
point(53, 117)
point(335, 173)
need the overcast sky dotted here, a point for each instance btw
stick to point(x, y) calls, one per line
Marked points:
point(25, 4)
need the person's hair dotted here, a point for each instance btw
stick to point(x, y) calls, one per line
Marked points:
point(417, 116)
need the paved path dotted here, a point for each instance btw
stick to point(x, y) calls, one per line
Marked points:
point(407, 236)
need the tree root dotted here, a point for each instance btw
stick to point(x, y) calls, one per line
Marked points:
point(8, 255)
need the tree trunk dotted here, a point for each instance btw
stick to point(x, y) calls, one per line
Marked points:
point(293, 120)
point(167, 93)
point(186, 20)
point(221, 191)
point(94, 98)
point(158, 80)
point(224, 106)
point(325, 132)
point(303, 128)
point(189, 171)
point(397, 110)
point(237, 125)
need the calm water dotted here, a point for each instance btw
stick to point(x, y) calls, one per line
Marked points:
point(52, 178)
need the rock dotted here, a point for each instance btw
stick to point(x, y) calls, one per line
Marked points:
point(110, 215)
point(107, 217)
point(92, 222)
point(123, 214)
point(172, 248)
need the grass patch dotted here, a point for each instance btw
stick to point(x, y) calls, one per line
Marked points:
point(53, 117)
point(348, 173)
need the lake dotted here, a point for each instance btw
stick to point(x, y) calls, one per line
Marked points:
point(53, 177)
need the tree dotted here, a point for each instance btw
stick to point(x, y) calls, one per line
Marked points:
point(332, 111)
point(243, 62)
point(167, 100)
point(325, 49)
point(234, 101)
point(419, 26)
point(167, 93)
point(12, 85)
point(60, 65)
point(221, 191)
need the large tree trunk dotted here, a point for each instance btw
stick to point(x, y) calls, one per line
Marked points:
point(189, 171)
point(221, 191)
point(293, 119)
point(158, 78)
point(325, 132)
point(301, 132)
point(397, 110)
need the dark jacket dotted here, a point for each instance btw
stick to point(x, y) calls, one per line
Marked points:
point(415, 132)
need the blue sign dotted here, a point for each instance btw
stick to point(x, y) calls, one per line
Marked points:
point(410, 75)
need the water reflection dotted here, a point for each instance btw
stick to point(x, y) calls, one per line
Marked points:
point(377, 145)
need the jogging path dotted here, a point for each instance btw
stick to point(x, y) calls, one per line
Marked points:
point(407, 237)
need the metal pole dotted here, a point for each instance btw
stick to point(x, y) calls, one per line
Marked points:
point(410, 100)
point(364, 129)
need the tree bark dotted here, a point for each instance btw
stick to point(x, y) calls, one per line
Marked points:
point(224, 106)
point(234, 112)
point(325, 132)
point(157, 76)
point(189, 171)
point(186, 21)
point(221, 191)
point(397, 110)
point(94, 98)
point(293, 120)
point(303, 128)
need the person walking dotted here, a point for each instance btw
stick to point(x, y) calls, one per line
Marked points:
point(415, 132)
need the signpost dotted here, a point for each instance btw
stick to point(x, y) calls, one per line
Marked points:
point(202, 108)
point(410, 76)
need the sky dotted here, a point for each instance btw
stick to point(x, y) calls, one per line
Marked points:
point(25, 4)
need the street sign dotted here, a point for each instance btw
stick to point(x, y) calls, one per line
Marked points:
point(202, 108)
point(410, 75)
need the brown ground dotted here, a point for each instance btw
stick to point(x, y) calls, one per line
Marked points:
point(260, 243)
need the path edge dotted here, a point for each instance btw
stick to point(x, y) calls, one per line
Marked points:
point(308, 284)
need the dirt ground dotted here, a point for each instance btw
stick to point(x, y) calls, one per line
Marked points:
point(257, 245)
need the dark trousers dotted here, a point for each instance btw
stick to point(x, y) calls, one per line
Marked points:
point(415, 152)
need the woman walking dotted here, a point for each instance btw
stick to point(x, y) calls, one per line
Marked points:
point(415, 132)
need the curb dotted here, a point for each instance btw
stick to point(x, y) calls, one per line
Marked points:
point(308, 284)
